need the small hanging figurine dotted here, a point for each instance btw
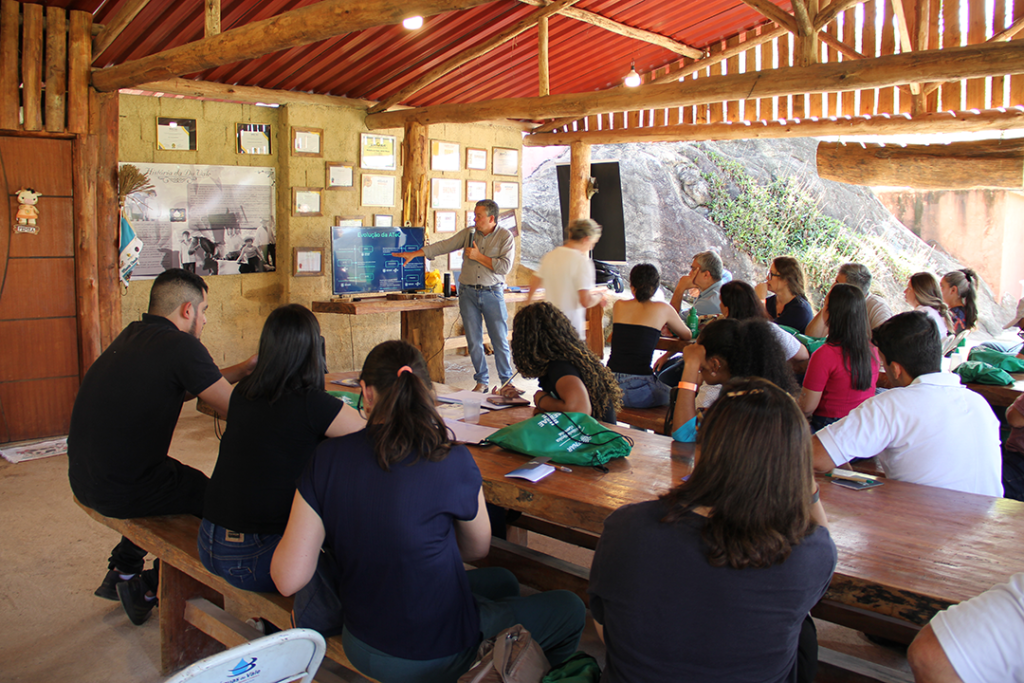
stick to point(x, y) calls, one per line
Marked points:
point(27, 211)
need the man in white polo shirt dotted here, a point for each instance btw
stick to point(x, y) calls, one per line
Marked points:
point(929, 430)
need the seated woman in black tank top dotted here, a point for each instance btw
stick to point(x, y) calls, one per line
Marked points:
point(635, 333)
point(572, 379)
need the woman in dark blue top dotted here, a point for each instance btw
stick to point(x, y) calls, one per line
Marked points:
point(397, 508)
point(789, 306)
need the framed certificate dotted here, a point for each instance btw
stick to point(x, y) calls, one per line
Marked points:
point(506, 194)
point(307, 261)
point(349, 221)
point(445, 193)
point(476, 159)
point(505, 161)
point(253, 138)
point(383, 220)
point(476, 190)
point(306, 201)
point(306, 142)
point(377, 152)
point(444, 221)
point(377, 190)
point(175, 134)
point(340, 176)
point(444, 156)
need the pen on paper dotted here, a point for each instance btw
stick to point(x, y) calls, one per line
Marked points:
point(561, 468)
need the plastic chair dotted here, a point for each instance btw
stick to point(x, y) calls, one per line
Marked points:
point(284, 657)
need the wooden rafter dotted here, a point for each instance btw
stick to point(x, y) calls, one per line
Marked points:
point(906, 42)
point(802, 27)
point(212, 17)
point(526, 23)
point(302, 26)
point(971, 61)
point(901, 124)
point(117, 23)
point(543, 75)
point(245, 93)
point(834, 9)
point(1003, 36)
point(773, 12)
point(607, 24)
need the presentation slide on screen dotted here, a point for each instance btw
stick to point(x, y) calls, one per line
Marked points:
point(363, 260)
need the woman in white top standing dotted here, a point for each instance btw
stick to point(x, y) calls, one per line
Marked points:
point(567, 274)
point(924, 294)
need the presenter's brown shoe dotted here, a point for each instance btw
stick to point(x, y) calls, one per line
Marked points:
point(480, 388)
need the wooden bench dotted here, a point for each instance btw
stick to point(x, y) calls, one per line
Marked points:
point(644, 418)
point(193, 621)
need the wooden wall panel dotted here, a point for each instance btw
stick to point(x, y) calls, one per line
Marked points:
point(869, 48)
point(44, 344)
point(42, 164)
point(56, 68)
point(847, 100)
point(750, 64)
point(56, 230)
point(32, 65)
point(38, 408)
point(975, 36)
point(38, 288)
point(886, 96)
point(782, 50)
point(10, 93)
point(950, 96)
point(732, 66)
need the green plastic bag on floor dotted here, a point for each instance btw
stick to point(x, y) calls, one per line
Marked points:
point(982, 373)
point(1004, 361)
point(580, 668)
point(565, 438)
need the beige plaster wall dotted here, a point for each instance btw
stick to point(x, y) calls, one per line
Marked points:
point(240, 303)
point(980, 228)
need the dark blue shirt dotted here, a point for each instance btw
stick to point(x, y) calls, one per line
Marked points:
point(401, 582)
point(796, 314)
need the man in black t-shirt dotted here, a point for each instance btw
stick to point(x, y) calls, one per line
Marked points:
point(124, 417)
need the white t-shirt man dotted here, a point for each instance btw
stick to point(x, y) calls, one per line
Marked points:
point(565, 272)
point(983, 638)
point(933, 431)
point(878, 310)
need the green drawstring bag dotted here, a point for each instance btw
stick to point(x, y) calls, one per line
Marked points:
point(580, 668)
point(349, 397)
point(982, 373)
point(812, 343)
point(1004, 361)
point(565, 438)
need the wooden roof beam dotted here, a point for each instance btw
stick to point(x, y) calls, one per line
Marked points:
point(640, 34)
point(900, 124)
point(244, 93)
point(970, 61)
point(302, 26)
point(212, 18)
point(526, 23)
point(115, 26)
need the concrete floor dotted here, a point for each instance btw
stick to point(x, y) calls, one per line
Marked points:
point(53, 557)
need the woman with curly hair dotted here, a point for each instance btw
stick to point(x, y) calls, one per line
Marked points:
point(924, 295)
point(714, 581)
point(789, 306)
point(572, 379)
point(959, 291)
point(728, 348)
point(843, 372)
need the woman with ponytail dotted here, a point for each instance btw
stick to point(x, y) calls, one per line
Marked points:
point(398, 508)
point(959, 291)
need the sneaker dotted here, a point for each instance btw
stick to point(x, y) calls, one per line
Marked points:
point(480, 388)
point(132, 594)
point(108, 589)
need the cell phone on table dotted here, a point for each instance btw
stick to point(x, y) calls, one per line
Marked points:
point(858, 484)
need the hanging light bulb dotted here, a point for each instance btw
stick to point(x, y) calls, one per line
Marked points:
point(412, 23)
point(632, 79)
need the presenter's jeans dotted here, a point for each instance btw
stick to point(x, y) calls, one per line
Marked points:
point(486, 306)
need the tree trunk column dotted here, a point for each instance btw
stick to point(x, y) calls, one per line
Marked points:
point(414, 174)
point(579, 177)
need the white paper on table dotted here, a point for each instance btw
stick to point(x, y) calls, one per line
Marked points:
point(468, 433)
point(460, 396)
point(532, 471)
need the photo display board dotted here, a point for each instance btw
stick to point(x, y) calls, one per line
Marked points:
point(362, 260)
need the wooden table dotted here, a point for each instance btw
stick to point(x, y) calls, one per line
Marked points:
point(422, 321)
point(905, 550)
point(1001, 396)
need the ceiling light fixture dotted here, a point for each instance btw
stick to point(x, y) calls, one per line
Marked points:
point(412, 23)
point(632, 79)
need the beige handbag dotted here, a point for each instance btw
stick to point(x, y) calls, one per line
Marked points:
point(510, 657)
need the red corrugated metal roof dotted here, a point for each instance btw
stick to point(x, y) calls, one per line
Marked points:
point(374, 63)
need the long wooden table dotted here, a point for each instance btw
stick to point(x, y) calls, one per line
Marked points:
point(905, 551)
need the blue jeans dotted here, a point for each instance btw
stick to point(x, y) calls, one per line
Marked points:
point(1002, 347)
point(555, 619)
point(479, 306)
point(244, 563)
point(642, 391)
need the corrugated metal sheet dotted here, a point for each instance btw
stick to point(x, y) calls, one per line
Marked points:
point(374, 63)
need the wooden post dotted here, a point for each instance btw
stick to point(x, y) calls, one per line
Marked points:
point(181, 643)
point(56, 68)
point(426, 330)
point(32, 65)
point(414, 172)
point(108, 218)
point(542, 58)
point(212, 17)
point(79, 59)
point(10, 96)
point(86, 158)
point(579, 179)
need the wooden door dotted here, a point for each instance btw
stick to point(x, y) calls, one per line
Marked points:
point(39, 371)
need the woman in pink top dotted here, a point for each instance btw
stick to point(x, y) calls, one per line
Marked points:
point(843, 373)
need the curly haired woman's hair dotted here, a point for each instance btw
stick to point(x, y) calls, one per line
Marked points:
point(754, 473)
point(965, 281)
point(741, 301)
point(790, 270)
point(848, 329)
point(403, 420)
point(927, 292)
point(645, 280)
point(541, 334)
point(749, 349)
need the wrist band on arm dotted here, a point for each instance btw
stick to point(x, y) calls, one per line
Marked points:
point(816, 496)
point(688, 385)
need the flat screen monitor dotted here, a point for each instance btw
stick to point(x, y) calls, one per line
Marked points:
point(362, 260)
